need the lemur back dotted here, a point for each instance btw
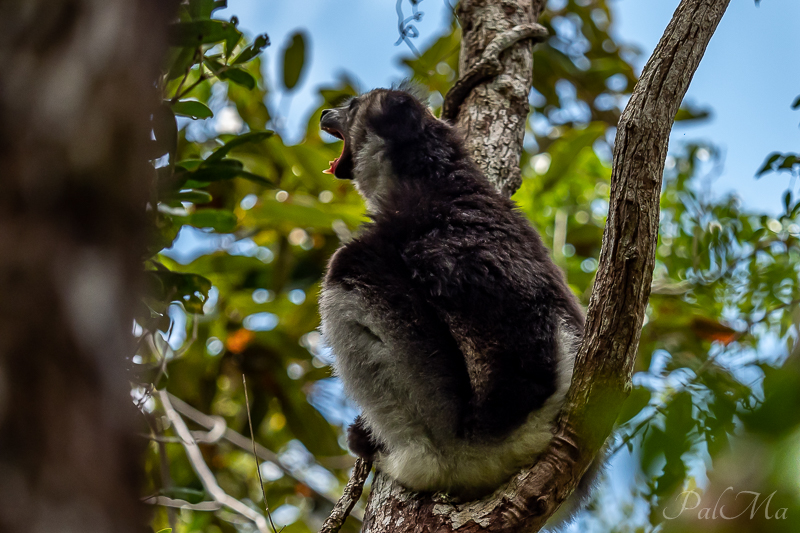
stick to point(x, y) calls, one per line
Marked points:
point(452, 328)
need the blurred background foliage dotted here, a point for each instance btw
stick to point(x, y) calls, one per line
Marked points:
point(243, 225)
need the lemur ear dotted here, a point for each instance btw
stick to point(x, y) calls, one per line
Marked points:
point(401, 117)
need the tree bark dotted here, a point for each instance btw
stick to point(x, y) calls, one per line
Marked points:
point(493, 117)
point(76, 94)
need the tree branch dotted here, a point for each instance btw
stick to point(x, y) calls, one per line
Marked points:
point(203, 472)
point(350, 496)
point(237, 439)
point(173, 503)
point(494, 113)
point(601, 380)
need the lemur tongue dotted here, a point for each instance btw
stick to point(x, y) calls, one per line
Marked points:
point(332, 169)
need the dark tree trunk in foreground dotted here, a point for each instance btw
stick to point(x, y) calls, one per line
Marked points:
point(76, 93)
point(493, 117)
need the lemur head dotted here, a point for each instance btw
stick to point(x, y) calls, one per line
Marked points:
point(377, 128)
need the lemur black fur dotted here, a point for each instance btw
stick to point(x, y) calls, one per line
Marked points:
point(452, 328)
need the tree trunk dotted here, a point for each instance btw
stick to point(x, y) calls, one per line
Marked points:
point(493, 117)
point(76, 94)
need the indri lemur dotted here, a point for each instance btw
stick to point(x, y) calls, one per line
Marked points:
point(452, 328)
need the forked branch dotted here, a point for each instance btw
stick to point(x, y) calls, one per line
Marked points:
point(203, 472)
point(616, 310)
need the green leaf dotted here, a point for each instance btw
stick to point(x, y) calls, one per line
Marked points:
point(768, 164)
point(686, 112)
point(165, 530)
point(184, 493)
point(203, 9)
point(249, 53)
point(189, 164)
point(184, 58)
point(221, 221)
point(779, 413)
point(272, 212)
point(224, 170)
point(192, 109)
point(239, 77)
point(564, 152)
point(254, 136)
point(234, 74)
point(637, 401)
point(233, 38)
point(199, 32)
point(194, 196)
point(294, 58)
point(789, 160)
point(189, 289)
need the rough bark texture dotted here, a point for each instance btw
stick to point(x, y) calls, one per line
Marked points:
point(494, 115)
point(352, 492)
point(493, 118)
point(75, 97)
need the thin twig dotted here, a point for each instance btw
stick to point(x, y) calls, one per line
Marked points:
point(162, 368)
point(189, 89)
point(242, 442)
point(489, 65)
point(255, 455)
point(186, 75)
point(172, 503)
point(352, 492)
point(203, 472)
point(166, 478)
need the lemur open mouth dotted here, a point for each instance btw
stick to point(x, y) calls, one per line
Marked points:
point(339, 135)
point(334, 121)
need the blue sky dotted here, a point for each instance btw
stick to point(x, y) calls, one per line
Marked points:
point(749, 76)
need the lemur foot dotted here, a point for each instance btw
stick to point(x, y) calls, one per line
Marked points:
point(361, 441)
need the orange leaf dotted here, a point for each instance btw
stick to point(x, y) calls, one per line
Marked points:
point(711, 330)
point(239, 339)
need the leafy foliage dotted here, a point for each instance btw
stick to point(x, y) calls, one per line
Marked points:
point(243, 225)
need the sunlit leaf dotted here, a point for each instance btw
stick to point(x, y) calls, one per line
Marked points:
point(233, 37)
point(222, 170)
point(193, 196)
point(192, 109)
point(220, 220)
point(249, 53)
point(252, 137)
